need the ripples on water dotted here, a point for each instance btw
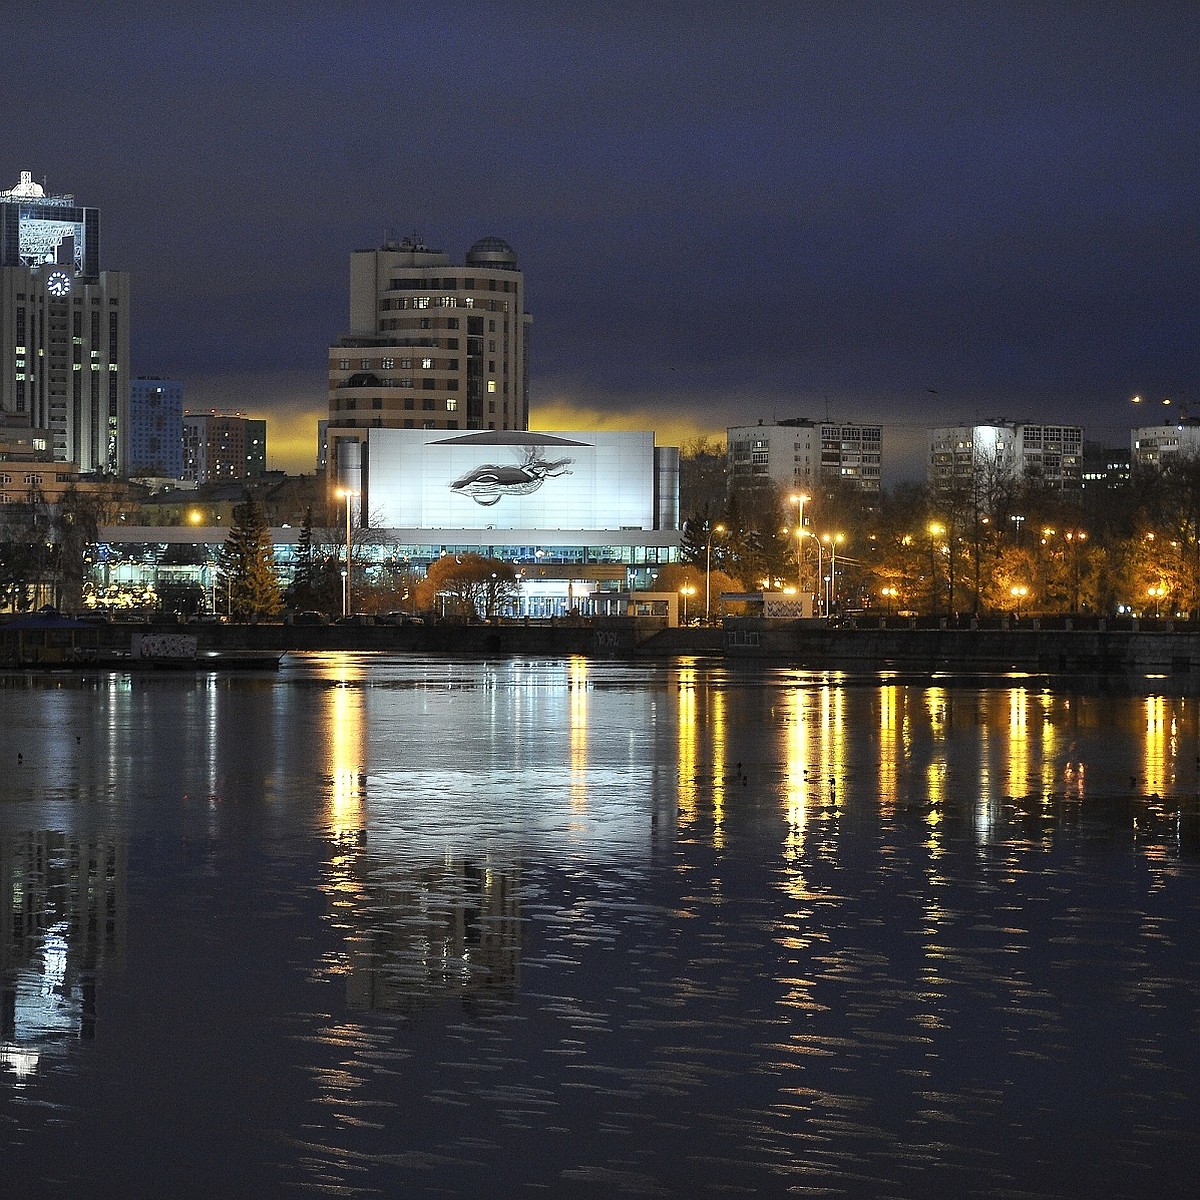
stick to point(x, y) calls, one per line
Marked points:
point(410, 927)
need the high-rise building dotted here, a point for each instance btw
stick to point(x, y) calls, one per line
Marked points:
point(64, 329)
point(978, 456)
point(222, 447)
point(431, 345)
point(802, 454)
point(156, 427)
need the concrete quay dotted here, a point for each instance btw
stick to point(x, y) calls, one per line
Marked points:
point(1093, 653)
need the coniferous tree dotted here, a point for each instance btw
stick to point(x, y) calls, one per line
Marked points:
point(301, 591)
point(248, 564)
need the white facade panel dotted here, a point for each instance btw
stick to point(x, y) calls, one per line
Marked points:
point(509, 479)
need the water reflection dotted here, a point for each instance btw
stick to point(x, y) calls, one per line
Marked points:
point(582, 927)
point(63, 913)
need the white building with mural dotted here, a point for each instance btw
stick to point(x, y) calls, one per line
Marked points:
point(585, 517)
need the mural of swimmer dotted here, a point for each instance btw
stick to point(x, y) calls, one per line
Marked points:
point(488, 483)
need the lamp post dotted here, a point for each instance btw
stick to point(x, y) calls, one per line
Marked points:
point(708, 570)
point(799, 500)
point(889, 595)
point(348, 496)
point(1018, 592)
point(685, 591)
point(833, 540)
point(820, 569)
point(935, 531)
point(1075, 539)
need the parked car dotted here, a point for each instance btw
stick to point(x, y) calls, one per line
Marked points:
point(310, 618)
point(400, 618)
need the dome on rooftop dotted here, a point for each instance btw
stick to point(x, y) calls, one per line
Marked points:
point(492, 252)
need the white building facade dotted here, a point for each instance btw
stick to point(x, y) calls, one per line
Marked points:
point(995, 451)
point(584, 518)
point(1156, 445)
point(800, 454)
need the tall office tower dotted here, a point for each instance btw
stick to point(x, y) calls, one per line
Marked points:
point(802, 454)
point(219, 447)
point(156, 427)
point(64, 329)
point(431, 345)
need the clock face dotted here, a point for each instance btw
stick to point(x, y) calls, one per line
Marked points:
point(58, 283)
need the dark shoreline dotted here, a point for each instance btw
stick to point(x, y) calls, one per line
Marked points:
point(1091, 655)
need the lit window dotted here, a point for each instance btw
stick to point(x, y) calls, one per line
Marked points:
point(452, 405)
point(491, 385)
point(427, 364)
point(388, 363)
point(421, 302)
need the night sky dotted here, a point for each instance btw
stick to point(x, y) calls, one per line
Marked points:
point(905, 212)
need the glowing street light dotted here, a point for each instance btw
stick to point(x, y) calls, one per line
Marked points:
point(1018, 592)
point(708, 569)
point(1156, 593)
point(832, 540)
point(936, 530)
point(347, 495)
point(1075, 539)
point(889, 595)
point(685, 591)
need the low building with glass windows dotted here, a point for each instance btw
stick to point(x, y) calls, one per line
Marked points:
point(585, 518)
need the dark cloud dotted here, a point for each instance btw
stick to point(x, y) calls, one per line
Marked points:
point(736, 207)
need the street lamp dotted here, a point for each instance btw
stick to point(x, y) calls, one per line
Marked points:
point(348, 495)
point(889, 595)
point(936, 530)
point(708, 569)
point(685, 591)
point(833, 540)
point(1075, 539)
point(820, 569)
point(1018, 592)
point(1156, 594)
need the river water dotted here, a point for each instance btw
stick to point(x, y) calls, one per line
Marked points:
point(403, 926)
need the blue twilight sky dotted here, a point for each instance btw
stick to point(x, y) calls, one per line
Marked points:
point(907, 212)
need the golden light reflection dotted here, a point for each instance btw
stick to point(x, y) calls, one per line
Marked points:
point(1051, 745)
point(936, 705)
point(1157, 749)
point(1018, 742)
point(795, 781)
point(577, 676)
point(345, 723)
point(833, 741)
point(890, 745)
point(718, 734)
point(687, 734)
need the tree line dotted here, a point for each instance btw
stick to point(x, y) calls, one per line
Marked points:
point(992, 544)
